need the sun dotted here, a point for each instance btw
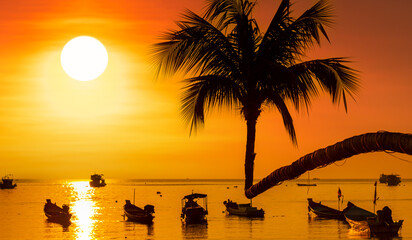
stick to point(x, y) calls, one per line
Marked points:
point(84, 58)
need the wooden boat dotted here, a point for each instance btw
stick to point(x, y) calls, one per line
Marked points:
point(97, 180)
point(383, 225)
point(55, 213)
point(323, 211)
point(357, 217)
point(378, 225)
point(192, 212)
point(7, 182)
point(232, 208)
point(136, 214)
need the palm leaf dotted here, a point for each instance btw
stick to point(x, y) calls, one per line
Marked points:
point(332, 75)
point(202, 93)
point(197, 47)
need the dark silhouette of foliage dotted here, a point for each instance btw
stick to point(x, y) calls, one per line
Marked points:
point(236, 65)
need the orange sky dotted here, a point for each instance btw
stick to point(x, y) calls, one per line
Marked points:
point(126, 125)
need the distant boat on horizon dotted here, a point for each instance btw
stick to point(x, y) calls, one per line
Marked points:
point(390, 179)
point(97, 180)
point(7, 182)
point(307, 184)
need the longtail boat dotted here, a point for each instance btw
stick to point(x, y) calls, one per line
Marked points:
point(323, 211)
point(232, 208)
point(136, 214)
point(55, 213)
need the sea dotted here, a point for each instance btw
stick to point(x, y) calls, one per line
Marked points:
point(98, 212)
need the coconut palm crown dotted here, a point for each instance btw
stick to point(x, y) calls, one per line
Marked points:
point(233, 64)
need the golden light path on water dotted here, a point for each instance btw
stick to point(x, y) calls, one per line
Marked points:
point(83, 209)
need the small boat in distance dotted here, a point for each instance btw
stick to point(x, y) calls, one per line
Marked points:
point(7, 182)
point(136, 214)
point(97, 180)
point(192, 212)
point(306, 184)
point(323, 211)
point(390, 180)
point(232, 208)
point(55, 213)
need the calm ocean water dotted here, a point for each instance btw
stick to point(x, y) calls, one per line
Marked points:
point(97, 212)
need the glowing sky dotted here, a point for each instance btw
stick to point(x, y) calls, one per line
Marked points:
point(127, 125)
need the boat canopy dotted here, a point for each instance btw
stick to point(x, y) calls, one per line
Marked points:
point(195, 195)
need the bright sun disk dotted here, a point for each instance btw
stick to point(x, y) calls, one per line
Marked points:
point(84, 58)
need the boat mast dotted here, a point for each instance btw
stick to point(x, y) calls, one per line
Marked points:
point(134, 195)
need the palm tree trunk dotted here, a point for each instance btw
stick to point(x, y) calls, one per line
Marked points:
point(369, 142)
point(250, 152)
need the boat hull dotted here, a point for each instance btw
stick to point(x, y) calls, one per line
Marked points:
point(246, 212)
point(194, 215)
point(141, 218)
point(98, 184)
point(323, 211)
point(384, 229)
point(58, 217)
point(2, 186)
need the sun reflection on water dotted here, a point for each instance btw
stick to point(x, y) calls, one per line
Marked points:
point(83, 209)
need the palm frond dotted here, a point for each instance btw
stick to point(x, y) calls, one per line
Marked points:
point(286, 39)
point(198, 47)
point(278, 24)
point(227, 12)
point(202, 93)
point(333, 76)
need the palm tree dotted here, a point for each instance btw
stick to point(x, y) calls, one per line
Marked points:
point(234, 64)
point(364, 143)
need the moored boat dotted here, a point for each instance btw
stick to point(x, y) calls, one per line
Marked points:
point(136, 214)
point(55, 213)
point(97, 180)
point(7, 182)
point(246, 210)
point(323, 211)
point(383, 224)
point(192, 211)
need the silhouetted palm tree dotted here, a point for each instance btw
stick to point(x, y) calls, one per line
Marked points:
point(234, 64)
point(364, 143)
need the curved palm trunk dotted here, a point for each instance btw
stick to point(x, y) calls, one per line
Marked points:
point(250, 152)
point(369, 142)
